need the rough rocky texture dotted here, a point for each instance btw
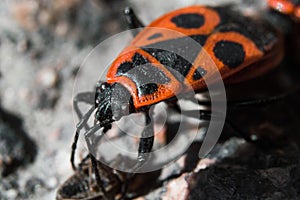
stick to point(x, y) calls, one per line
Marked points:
point(16, 149)
point(42, 46)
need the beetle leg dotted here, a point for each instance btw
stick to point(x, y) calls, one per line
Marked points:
point(88, 98)
point(105, 129)
point(82, 162)
point(88, 134)
point(235, 104)
point(206, 115)
point(79, 126)
point(256, 102)
point(85, 97)
point(174, 106)
point(198, 114)
point(132, 20)
point(97, 175)
point(146, 143)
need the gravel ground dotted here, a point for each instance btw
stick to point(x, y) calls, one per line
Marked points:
point(42, 46)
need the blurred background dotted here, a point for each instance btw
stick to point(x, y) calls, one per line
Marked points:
point(42, 45)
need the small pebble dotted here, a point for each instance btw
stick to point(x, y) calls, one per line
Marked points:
point(44, 17)
point(48, 77)
point(11, 194)
point(52, 183)
point(62, 28)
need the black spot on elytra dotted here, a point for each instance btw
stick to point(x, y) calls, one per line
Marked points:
point(124, 67)
point(199, 73)
point(230, 53)
point(176, 64)
point(154, 36)
point(137, 60)
point(190, 20)
point(149, 88)
point(261, 32)
point(176, 54)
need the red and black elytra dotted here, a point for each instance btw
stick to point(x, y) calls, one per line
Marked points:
point(229, 38)
point(242, 48)
point(287, 7)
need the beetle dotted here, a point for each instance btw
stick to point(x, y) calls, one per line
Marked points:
point(243, 47)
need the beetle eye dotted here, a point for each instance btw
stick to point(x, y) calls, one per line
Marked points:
point(101, 87)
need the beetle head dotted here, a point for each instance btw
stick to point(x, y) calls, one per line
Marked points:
point(112, 102)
